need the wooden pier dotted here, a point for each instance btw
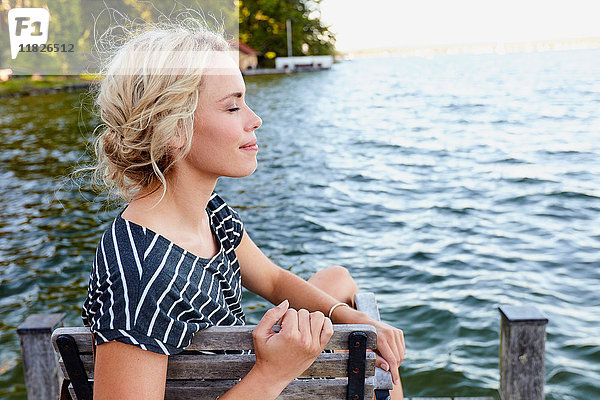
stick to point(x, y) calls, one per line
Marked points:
point(273, 71)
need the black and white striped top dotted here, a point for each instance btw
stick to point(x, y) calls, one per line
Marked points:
point(147, 291)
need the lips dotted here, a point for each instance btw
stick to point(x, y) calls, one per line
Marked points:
point(250, 144)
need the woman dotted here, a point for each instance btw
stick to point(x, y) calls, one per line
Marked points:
point(175, 258)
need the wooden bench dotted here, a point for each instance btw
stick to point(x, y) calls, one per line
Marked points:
point(194, 375)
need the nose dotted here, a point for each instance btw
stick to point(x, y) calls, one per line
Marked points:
point(256, 121)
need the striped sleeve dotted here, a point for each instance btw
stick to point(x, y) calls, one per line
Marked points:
point(230, 219)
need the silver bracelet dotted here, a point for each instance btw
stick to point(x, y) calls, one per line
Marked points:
point(335, 306)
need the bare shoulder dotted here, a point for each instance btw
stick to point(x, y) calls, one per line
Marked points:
point(141, 214)
point(124, 371)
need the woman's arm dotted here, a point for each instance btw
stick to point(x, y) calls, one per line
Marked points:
point(263, 277)
point(124, 371)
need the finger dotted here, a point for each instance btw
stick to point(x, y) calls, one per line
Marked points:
point(380, 362)
point(289, 322)
point(384, 358)
point(390, 358)
point(317, 319)
point(401, 344)
point(326, 332)
point(304, 324)
point(394, 347)
point(271, 317)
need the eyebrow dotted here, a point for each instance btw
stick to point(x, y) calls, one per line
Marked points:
point(236, 94)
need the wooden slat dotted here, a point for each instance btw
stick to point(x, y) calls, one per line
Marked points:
point(240, 337)
point(236, 366)
point(305, 389)
point(227, 337)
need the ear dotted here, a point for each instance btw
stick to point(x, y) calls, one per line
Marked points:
point(178, 140)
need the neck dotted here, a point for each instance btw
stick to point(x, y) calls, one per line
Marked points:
point(183, 205)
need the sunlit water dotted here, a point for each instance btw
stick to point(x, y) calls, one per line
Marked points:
point(448, 186)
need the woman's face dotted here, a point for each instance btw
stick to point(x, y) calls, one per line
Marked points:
point(224, 142)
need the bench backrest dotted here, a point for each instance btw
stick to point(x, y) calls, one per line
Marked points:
point(192, 374)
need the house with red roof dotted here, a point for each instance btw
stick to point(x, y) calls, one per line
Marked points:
point(248, 56)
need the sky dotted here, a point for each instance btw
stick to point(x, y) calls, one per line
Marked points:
point(361, 24)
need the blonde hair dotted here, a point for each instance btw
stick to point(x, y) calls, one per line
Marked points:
point(146, 101)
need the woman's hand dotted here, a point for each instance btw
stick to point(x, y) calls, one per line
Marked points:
point(390, 348)
point(281, 357)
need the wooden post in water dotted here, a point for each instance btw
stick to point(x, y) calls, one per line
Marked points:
point(39, 361)
point(522, 353)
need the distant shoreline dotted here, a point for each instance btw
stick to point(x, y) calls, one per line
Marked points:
point(475, 48)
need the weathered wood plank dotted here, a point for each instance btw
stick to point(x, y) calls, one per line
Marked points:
point(229, 337)
point(367, 303)
point(236, 366)
point(306, 389)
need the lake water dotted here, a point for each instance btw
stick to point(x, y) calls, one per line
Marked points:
point(448, 186)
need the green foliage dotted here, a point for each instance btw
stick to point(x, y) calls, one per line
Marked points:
point(263, 26)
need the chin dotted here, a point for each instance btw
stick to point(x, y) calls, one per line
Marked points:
point(242, 172)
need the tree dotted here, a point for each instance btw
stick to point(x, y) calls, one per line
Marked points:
point(263, 26)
